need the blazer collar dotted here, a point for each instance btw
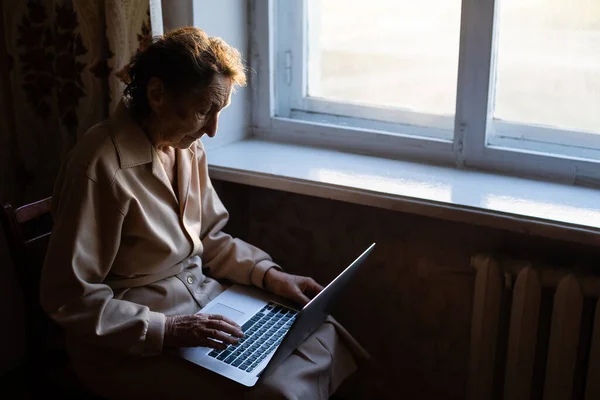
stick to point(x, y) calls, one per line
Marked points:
point(132, 144)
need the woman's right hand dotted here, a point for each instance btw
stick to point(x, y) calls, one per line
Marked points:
point(201, 330)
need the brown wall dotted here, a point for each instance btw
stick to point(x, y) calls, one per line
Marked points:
point(411, 305)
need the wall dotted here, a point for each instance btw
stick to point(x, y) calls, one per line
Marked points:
point(411, 305)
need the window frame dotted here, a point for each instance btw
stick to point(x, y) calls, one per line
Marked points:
point(474, 144)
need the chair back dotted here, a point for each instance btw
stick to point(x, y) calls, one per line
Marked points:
point(27, 230)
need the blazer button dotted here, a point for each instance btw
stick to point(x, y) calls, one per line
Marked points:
point(190, 280)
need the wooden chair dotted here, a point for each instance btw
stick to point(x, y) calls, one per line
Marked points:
point(47, 370)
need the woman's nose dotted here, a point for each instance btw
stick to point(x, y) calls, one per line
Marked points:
point(211, 128)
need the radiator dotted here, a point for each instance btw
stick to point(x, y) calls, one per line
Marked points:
point(535, 332)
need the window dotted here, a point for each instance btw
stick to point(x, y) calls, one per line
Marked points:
point(379, 58)
point(548, 73)
point(509, 85)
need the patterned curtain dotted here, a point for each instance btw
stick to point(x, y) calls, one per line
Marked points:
point(60, 62)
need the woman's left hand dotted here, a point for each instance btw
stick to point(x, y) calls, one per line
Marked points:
point(296, 288)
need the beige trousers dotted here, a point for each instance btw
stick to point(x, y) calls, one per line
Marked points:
point(314, 371)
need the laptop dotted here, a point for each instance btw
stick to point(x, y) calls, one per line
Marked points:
point(273, 328)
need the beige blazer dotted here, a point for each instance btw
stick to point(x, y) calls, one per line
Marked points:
point(125, 252)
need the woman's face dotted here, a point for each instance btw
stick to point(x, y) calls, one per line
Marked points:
point(181, 121)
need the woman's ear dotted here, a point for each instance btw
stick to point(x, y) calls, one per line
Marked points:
point(155, 93)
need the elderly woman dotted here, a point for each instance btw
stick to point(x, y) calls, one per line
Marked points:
point(137, 248)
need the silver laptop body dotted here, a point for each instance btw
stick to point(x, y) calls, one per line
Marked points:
point(273, 328)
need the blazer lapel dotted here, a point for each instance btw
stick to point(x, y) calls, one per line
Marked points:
point(159, 172)
point(189, 197)
point(184, 176)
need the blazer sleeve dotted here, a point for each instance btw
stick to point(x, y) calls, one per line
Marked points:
point(224, 256)
point(83, 245)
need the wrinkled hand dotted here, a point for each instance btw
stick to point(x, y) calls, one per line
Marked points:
point(296, 288)
point(201, 330)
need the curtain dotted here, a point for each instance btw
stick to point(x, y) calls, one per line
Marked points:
point(60, 68)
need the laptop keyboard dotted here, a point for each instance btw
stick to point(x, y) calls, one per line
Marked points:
point(262, 334)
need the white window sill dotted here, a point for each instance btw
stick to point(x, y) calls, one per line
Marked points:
point(521, 205)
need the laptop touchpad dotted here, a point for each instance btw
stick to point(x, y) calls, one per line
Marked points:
point(226, 311)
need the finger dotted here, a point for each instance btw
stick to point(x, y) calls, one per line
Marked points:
point(213, 344)
point(222, 336)
point(312, 288)
point(223, 318)
point(225, 327)
point(300, 297)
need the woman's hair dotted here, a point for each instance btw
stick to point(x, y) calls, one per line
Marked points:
point(183, 59)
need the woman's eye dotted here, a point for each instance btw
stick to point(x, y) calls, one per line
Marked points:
point(203, 113)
